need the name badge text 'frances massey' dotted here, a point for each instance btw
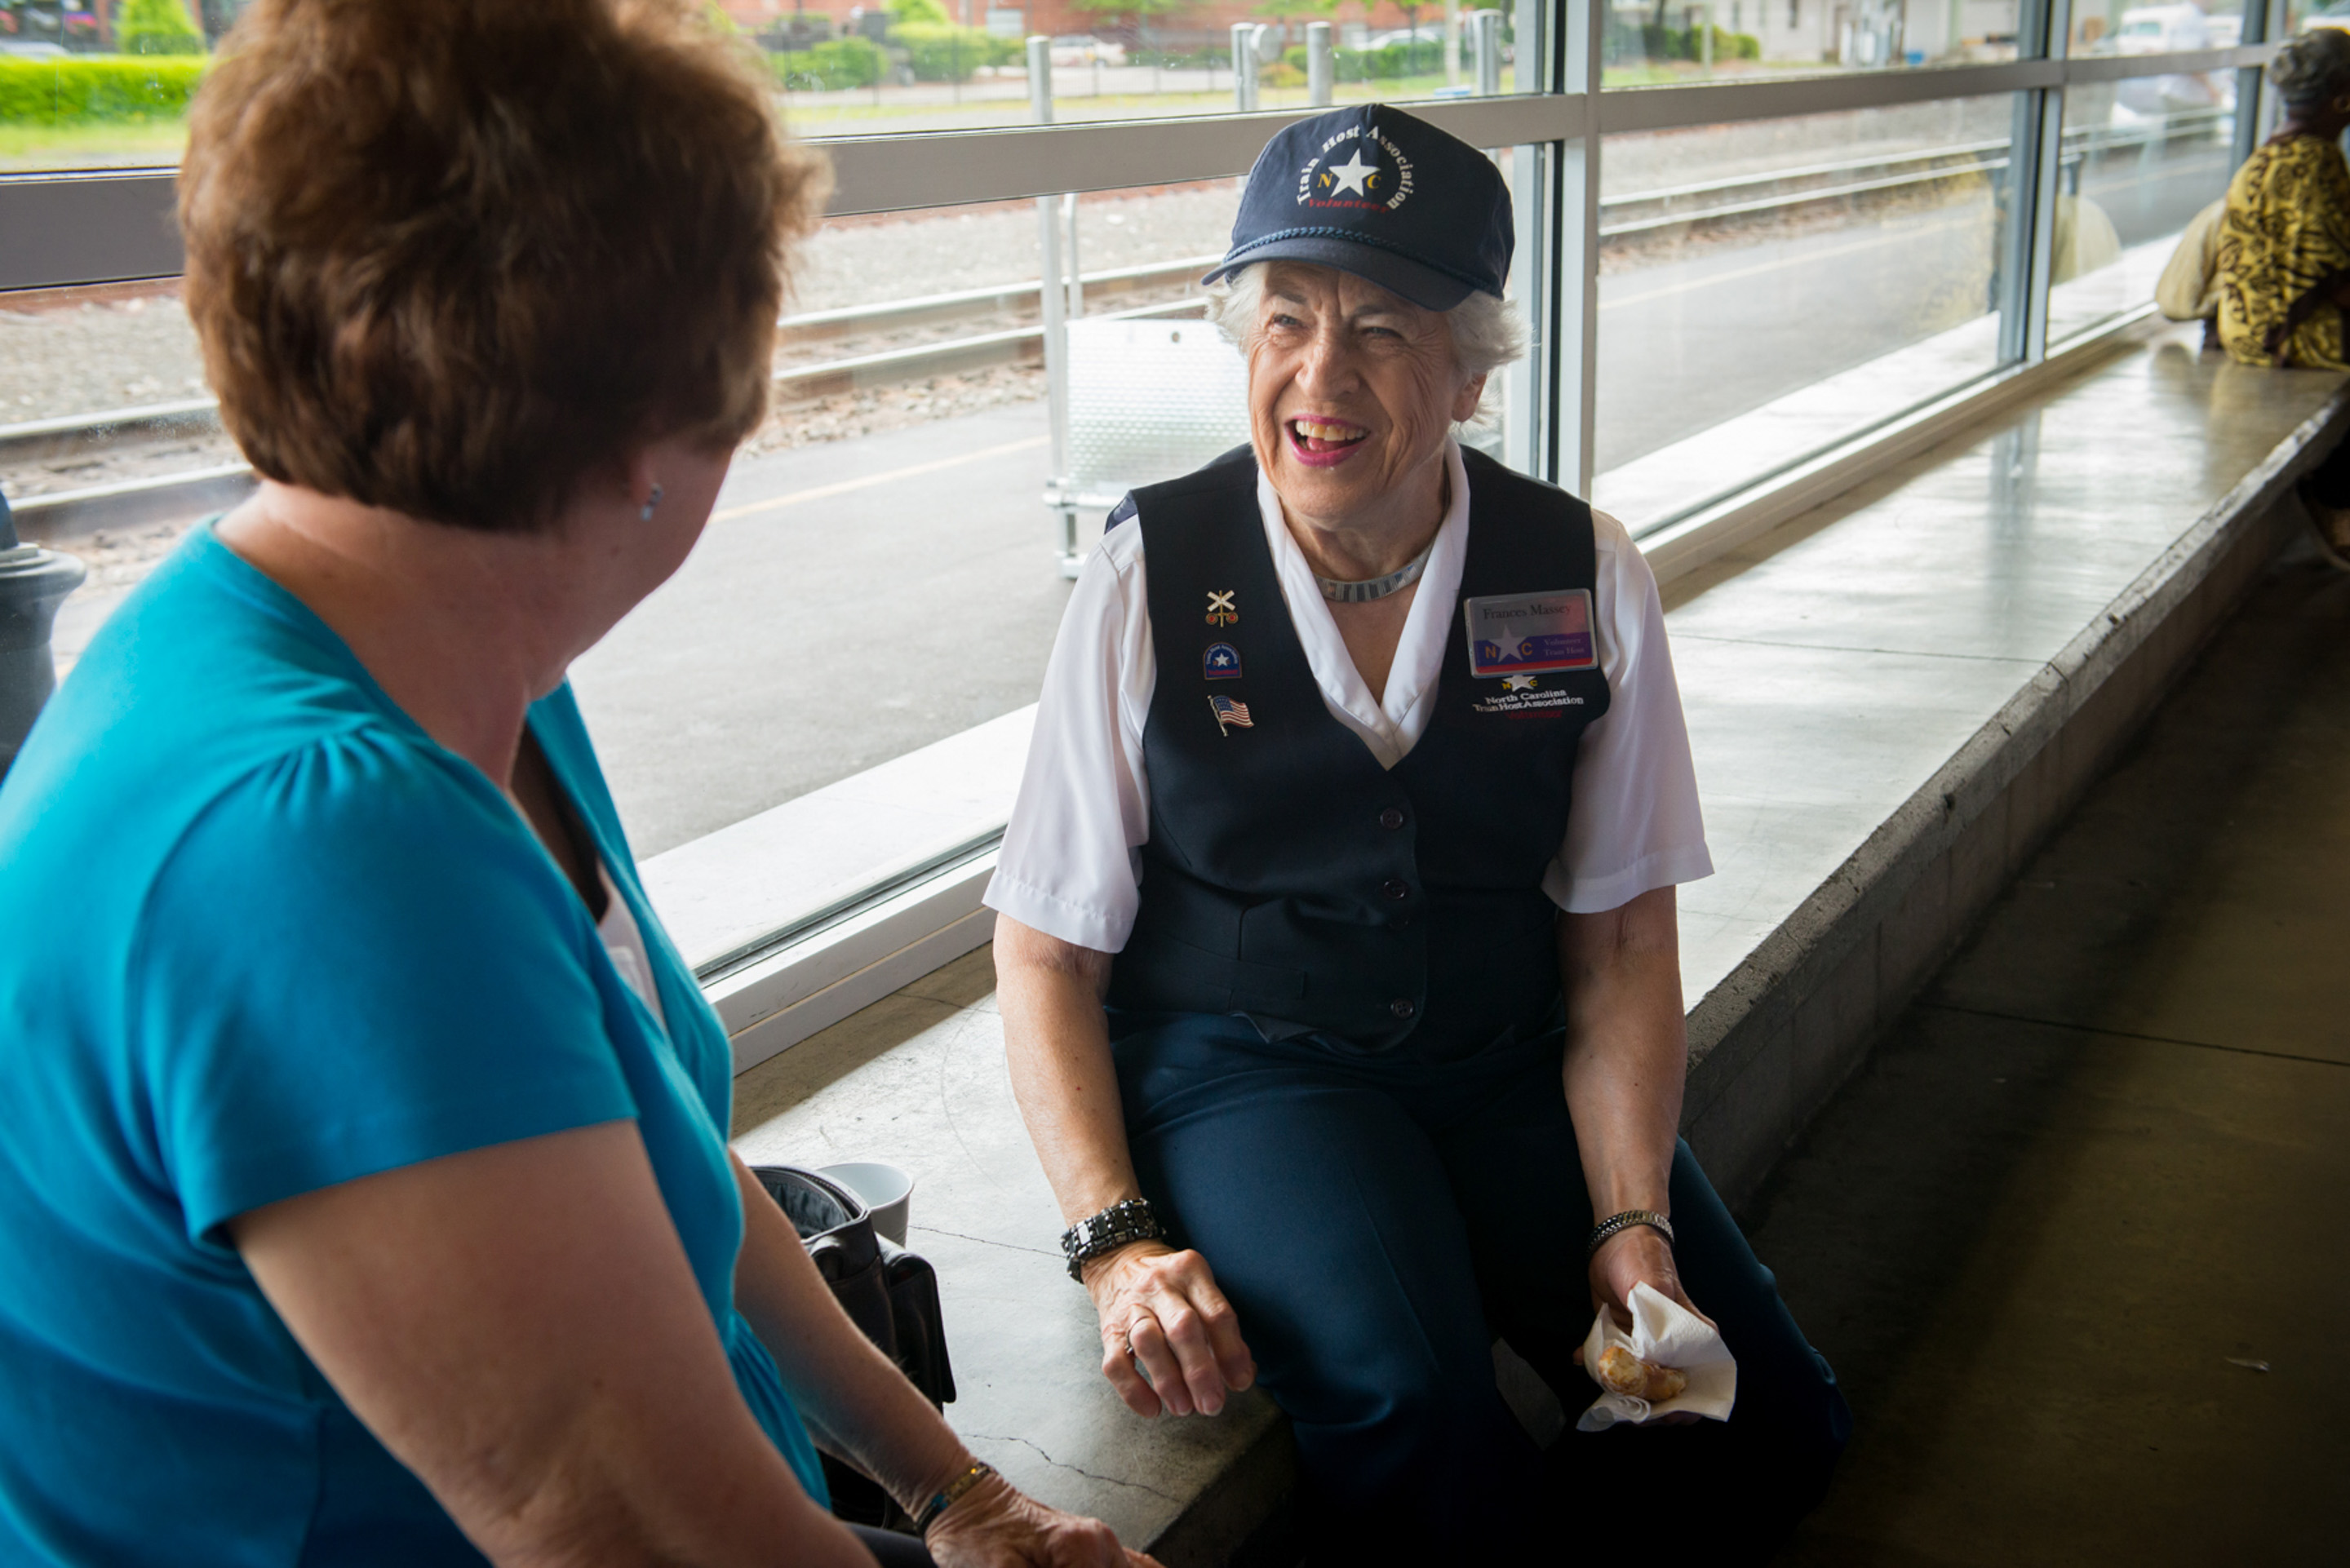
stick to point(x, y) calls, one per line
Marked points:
point(1530, 634)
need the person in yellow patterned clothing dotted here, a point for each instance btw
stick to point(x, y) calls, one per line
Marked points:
point(2283, 260)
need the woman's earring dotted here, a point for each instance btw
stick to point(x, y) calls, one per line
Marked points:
point(650, 502)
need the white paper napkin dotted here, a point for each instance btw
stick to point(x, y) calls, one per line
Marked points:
point(1666, 1334)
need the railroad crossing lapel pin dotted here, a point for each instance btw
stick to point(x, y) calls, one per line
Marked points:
point(1231, 714)
point(1220, 607)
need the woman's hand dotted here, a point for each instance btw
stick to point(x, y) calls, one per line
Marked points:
point(1161, 1309)
point(1639, 1256)
point(996, 1526)
point(1636, 1255)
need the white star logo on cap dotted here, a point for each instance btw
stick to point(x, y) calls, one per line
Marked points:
point(1352, 174)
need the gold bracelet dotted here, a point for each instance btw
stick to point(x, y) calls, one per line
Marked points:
point(953, 1493)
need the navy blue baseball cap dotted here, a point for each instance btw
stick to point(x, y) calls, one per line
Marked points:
point(1376, 192)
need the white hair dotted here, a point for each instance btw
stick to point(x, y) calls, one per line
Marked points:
point(1487, 333)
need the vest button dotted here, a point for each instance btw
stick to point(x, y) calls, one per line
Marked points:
point(1392, 818)
point(1395, 889)
point(1402, 1007)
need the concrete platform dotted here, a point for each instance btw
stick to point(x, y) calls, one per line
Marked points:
point(2076, 1236)
point(1892, 701)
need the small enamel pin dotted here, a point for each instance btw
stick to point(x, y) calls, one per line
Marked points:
point(1230, 714)
point(1221, 662)
point(1220, 609)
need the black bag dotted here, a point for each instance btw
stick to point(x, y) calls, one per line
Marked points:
point(889, 1293)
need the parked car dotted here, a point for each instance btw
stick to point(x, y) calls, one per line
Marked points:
point(2162, 30)
point(1083, 49)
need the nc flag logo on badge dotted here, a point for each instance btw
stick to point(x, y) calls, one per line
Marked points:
point(1530, 634)
point(1230, 713)
point(1222, 662)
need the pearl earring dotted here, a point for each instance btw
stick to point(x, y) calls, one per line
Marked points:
point(650, 502)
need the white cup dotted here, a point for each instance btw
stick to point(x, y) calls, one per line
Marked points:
point(884, 1190)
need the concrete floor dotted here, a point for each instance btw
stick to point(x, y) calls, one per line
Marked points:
point(2076, 1236)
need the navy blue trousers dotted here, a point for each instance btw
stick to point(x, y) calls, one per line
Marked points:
point(1377, 1222)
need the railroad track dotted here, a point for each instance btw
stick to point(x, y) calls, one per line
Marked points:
point(137, 502)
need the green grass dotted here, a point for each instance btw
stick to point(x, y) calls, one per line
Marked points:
point(23, 147)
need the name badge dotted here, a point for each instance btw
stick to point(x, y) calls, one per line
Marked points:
point(1530, 634)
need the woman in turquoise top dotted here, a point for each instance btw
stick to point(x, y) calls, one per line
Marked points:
point(364, 1191)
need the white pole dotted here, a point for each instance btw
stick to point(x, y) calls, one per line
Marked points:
point(1451, 43)
point(1485, 35)
point(1321, 72)
point(1051, 299)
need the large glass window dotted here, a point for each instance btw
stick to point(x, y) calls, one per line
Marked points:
point(2128, 27)
point(2141, 157)
point(81, 90)
point(1651, 42)
point(1766, 288)
point(887, 567)
point(902, 69)
point(882, 569)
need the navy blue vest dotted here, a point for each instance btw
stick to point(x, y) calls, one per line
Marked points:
point(1288, 876)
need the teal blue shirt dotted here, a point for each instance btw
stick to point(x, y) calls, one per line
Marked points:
point(260, 934)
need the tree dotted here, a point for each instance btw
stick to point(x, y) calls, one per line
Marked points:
point(918, 11)
point(157, 28)
point(1285, 9)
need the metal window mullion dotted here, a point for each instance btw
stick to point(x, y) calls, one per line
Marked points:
point(2255, 103)
point(2035, 167)
point(1576, 357)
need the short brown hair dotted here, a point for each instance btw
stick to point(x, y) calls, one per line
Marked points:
point(451, 256)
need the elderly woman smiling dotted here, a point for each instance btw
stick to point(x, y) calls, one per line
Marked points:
point(1338, 946)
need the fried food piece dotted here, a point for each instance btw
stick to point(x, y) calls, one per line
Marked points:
point(1621, 1372)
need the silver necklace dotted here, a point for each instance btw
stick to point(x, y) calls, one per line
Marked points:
point(1371, 589)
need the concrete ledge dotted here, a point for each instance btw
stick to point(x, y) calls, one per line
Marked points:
point(1775, 1039)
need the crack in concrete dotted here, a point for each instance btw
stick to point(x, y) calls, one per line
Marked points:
point(989, 1242)
point(1089, 1475)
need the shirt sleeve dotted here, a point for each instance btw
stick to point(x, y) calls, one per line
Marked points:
point(359, 959)
point(1635, 825)
point(1069, 866)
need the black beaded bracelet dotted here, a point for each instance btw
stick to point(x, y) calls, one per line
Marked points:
point(1106, 1231)
point(1625, 1222)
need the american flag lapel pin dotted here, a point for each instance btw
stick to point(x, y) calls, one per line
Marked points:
point(1230, 712)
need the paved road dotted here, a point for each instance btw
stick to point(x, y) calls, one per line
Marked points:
point(1688, 343)
point(849, 602)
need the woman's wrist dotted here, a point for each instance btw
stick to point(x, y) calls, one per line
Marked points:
point(952, 1496)
point(924, 1487)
